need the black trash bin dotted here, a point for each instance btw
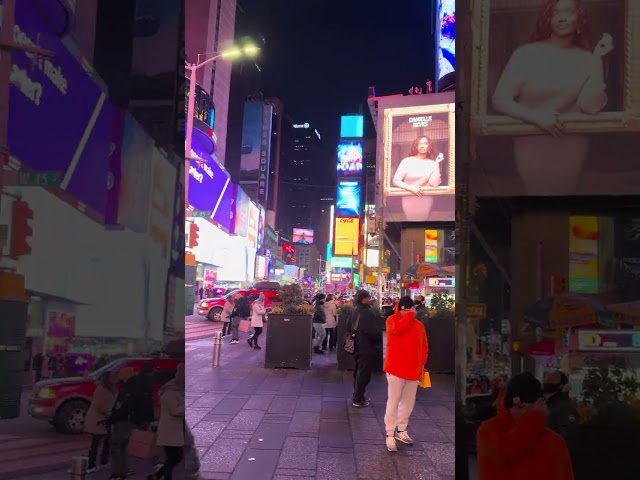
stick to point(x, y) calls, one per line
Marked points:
point(288, 342)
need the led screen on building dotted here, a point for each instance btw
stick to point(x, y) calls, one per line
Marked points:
point(348, 198)
point(352, 126)
point(347, 236)
point(446, 38)
point(349, 159)
point(418, 159)
point(303, 236)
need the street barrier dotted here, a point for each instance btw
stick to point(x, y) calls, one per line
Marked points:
point(217, 347)
point(79, 467)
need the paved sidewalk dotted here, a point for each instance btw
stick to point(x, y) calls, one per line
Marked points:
point(253, 423)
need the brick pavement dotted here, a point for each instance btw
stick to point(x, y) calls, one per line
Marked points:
point(253, 423)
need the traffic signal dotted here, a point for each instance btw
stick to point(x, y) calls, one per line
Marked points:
point(558, 285)
point(193, 235)
point(401, 284)
point(20, 229)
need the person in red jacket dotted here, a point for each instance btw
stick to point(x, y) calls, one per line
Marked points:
point(407, 350)
point(515, 444)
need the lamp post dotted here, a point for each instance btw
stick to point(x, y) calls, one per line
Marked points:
point(193, 69)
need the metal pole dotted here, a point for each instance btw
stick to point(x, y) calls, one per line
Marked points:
point(217, 348)
point(79, 467)
point(190, 110)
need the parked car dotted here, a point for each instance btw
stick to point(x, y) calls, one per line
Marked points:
point(212, 307)
point(64, 402)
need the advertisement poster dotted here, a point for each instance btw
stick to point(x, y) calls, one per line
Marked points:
point(288, 253)
point(431, 251)
point(261, 227)
point(549, 116)
point(347, 236)
point(348, 198)
point(253, 224)
point(251, 141)
point(349, 158)
point(77, 148)
point(419, 163)
point(303, 236)
point(163, 186)
point(583, 254)
point(446, 37)
point(242, 203)
point(209, 188)
point(135, 183)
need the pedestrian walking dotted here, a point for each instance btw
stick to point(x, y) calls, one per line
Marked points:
point(133, 409)
point(38, 360)
point(330, 325)
point(407, 350)
point(102, 402)
point(319, 319)
point(257, 321)
point(368, 346)
point(516, 444)
point(225, 316)
point(171, 427)
point(241, 311)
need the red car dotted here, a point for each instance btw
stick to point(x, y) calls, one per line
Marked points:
point(212, 307)
point(65, 401)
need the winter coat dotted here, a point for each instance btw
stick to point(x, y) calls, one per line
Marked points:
point(319, 315)
point(172, 408)
point(225, 316)
point(407, 346)
point(101, 405)
point(331, 313)
point(256, 317)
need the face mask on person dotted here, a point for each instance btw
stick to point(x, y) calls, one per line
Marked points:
point(551, 388)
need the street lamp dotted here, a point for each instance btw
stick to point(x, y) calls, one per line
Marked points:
point(248, 50)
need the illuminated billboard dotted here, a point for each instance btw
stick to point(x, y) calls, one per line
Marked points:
point(342, 262)
point(351, 126)
point(563, 131)
point(347, 236)
point(446, 38)
point(348, 198)
point(418, 160)
point(349, 158)
point(431, 250)
point(302, 236)
point(583, 255)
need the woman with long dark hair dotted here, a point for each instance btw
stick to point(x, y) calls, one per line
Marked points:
point(419, 170)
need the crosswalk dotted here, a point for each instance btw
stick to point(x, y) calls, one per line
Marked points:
point(198, 328)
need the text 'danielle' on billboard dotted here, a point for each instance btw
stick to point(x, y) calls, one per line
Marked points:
point(419, 163)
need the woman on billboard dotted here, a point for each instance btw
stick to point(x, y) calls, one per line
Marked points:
point(420, 169)
point(558, 72)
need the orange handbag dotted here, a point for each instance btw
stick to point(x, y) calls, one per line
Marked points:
point(425, 379)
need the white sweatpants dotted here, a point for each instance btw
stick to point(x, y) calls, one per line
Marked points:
point(401, 398)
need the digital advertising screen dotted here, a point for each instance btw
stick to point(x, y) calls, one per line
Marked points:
point(418, 161)
point(251, 138)
point(303, 236)
point(349, 158)
point(553, 132)
point(253, 224)
point(346, 236)
point(351, 126)
point(446, 38)
point(241, 226)
point(348, 198)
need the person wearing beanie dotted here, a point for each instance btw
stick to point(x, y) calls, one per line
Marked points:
point(515, 444)
point(407, 350)
point(368, 341)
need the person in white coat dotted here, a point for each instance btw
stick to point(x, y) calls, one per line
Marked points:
point(257, 321)
point(330, 326)
point(171, 426)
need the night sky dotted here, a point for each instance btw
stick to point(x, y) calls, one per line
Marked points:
point(320, 56)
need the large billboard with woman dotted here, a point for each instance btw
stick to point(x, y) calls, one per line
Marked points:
point(554, 101)
point(418, 174)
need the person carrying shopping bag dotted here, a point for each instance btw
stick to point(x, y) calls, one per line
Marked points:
point(104, 398)
point(241, 311)
point(407, 350)
point(257, 321)
point(225, 315)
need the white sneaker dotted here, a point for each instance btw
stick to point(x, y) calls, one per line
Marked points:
point(404, 437)
point(391, 444)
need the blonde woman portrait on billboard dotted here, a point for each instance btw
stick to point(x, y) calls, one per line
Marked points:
point(560, 71)
point(420, 169)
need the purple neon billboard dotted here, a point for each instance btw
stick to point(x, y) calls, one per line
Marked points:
point(60, 117)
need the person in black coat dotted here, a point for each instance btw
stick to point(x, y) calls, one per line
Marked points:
point(368, 345)
point(241, 311)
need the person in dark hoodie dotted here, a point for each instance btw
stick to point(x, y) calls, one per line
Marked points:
point(562, 415)
point(368, 345)
point(133, 409)
point(515, 444)
point(319, 319)
point(241, 311)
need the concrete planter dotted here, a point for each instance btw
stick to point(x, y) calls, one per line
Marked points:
point(288, 342)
